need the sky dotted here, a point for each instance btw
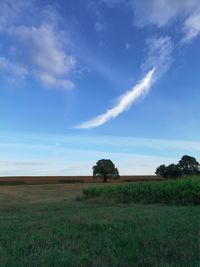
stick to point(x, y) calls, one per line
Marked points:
point(86, 80)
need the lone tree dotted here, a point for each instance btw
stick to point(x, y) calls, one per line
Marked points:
point(105, 169)
point(189, 165)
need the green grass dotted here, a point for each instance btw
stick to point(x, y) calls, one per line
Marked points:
point(181, 192)
point(44, 225)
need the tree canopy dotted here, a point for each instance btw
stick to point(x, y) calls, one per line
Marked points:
point(105, 169)
point(186, 166)
point(189, 165)
point(162, 171)
point(171, 171)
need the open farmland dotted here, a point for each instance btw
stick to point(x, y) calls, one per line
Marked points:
point(17, 180)
point(44, 225)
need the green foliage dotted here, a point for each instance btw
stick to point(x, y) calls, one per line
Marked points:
point(162, 171)
point(105, 169)
point(187, 166)
point(171, 171)
point(180, 192)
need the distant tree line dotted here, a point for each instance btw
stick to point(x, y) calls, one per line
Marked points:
point(186, 166)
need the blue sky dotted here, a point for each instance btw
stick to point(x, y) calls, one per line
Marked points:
point(85, 80)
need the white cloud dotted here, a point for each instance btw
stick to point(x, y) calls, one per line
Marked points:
point(45, 54)
point(191, 27)
point(16, 72)
point(10, 11)
point(126, 101)
point(158, 53)
point(52, 82)
point(165, 12)
point(41, 46)
point(161, 12)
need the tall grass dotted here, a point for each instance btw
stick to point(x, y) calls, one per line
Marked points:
point(182, 192)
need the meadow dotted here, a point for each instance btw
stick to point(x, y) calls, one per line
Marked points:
point(52, 225)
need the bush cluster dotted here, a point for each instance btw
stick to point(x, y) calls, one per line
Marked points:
point(181, 192)
point(186, 166)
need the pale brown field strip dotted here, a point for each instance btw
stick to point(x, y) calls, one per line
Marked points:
point(70, 179)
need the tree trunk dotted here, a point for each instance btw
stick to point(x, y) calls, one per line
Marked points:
point(105, 179)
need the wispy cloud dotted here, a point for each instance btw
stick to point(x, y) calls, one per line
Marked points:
point(13, 70)
point(76, 154)
point(127, 164)
point(161, 13)
point(95, 10)
point(43, 51)
point(10, 12)
point(164, 13)
point(158, 53)
point(125, 102)
point(191, 27)
point(40, 45)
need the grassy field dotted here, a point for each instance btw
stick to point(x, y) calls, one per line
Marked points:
point(44, 225)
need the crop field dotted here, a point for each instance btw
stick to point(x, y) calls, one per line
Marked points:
point(181, 192)
point(53, 225)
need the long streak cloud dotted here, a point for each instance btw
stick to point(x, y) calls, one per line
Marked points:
point(140, 89)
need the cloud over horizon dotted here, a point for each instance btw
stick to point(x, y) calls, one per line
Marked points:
point(62, 159)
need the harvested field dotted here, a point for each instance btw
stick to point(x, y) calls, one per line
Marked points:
point(71, 179)
point(44, 193)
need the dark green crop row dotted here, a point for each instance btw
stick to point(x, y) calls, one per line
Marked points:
point(182, 192)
